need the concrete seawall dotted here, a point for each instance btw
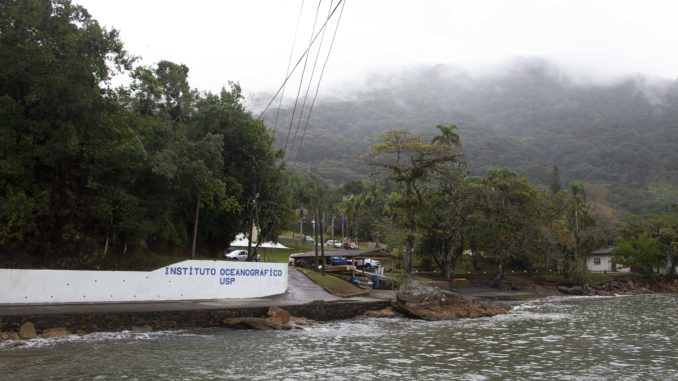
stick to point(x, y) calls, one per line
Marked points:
point(158, 318)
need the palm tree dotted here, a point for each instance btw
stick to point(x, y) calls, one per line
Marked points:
point(448, 136)
point(577, 205)
point(577, 214)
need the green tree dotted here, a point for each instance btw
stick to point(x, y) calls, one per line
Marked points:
point(512, 216)
point(640, 252)
point(448, 136)
point(65, 163)
point(555, 180)
point(405, 160)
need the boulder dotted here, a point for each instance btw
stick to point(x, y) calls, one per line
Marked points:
point(27, 331)
point(387, 312)
point(278, 315)
point(444, 306)
point(574, 290)
point(55, 332)
point(443, 311)
point(253, 323)
point(299, 322)
point(142, 328)
point(9, 336)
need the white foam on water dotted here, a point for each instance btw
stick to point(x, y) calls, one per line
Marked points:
point(90, 338)
point(474, 377)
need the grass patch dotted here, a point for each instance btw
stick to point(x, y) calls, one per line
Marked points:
point(332, 284)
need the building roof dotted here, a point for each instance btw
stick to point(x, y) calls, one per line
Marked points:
point(241, 241)
point(603, 251)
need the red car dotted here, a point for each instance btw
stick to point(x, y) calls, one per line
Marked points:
point(349, 246)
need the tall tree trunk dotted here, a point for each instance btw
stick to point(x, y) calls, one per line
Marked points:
point(195, 227)
point(500, 272)
point(456, 252)
point(446, 261)
point(408, 251)
point(108, 236)
point(250, 254)
point(440, 262)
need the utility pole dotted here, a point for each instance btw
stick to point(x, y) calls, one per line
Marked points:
point(301, 226)
point(322, 247)
point(315, 238)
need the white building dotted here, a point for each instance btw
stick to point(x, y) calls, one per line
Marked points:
point(601, 261)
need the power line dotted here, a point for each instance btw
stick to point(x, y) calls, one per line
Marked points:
point(301, 81)
point(269, 213)
point(310, 82)
point(322, 73)
point(289, 63)
point(259, 186)
point(300, 59)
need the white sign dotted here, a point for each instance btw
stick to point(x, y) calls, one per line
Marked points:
point(187, 280)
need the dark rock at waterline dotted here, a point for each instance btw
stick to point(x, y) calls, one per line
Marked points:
point(574, 290)
point(642, 285)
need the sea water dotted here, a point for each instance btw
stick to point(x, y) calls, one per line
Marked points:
point(557, 338)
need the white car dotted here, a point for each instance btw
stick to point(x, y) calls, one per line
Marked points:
point(333, 243)
point(237, 255)
point(369, 264)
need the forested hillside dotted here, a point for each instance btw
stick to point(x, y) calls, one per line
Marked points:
point(528, 117)
point(90, 175)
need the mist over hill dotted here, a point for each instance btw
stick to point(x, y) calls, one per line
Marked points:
point(529, 116)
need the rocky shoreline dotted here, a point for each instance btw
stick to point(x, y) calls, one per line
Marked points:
point(30, 326)
point(418, 301)
point(637, 286)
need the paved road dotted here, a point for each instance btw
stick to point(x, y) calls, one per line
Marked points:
point(300, 290)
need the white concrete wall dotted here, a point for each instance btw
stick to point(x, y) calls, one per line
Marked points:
point(187, 280)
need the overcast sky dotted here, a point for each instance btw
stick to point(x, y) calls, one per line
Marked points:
point(249, 41)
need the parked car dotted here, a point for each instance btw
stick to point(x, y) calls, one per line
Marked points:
point(369, 263)
point(339, 261)
point(350, 246)
point(309, 239)
point(240, 255)
point(333, 243)
point(237, 255)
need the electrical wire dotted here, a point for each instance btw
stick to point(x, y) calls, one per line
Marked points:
point(299, 61)
point(301, 81)
point(269, 213)
point(322, 73)
point(308, 88)
point(289, 63)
